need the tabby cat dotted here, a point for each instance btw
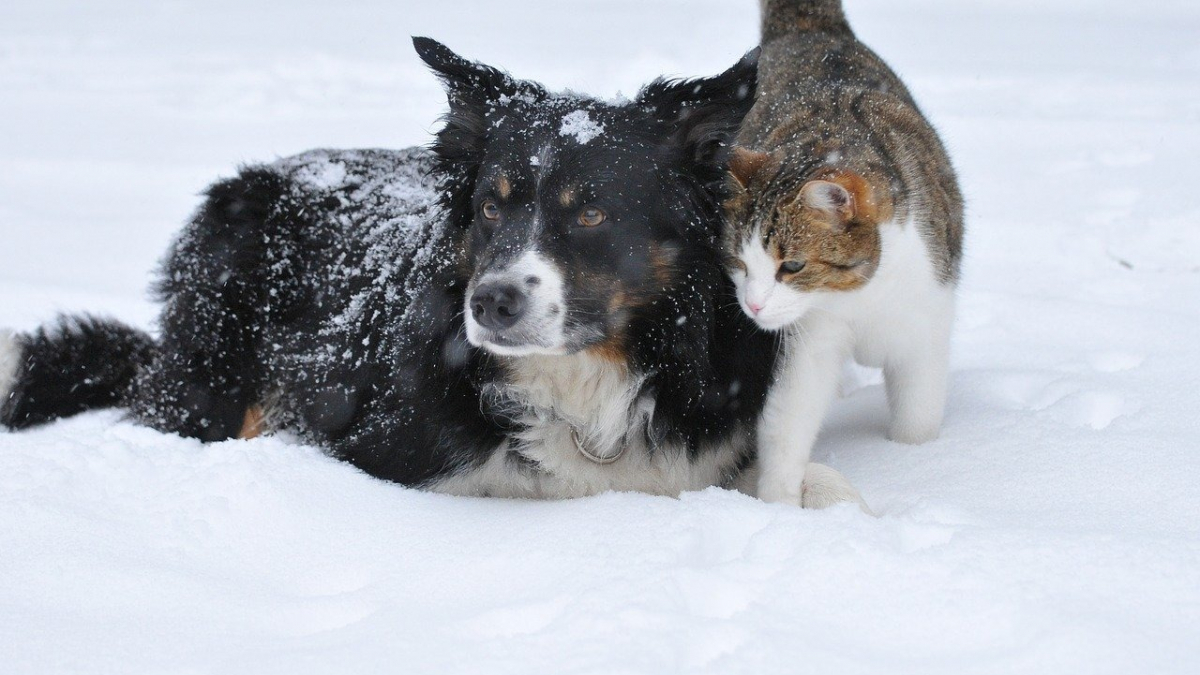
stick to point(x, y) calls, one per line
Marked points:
point(845, 232)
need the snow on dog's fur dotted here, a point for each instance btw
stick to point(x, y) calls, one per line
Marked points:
point(10, 352)
point(536, 308)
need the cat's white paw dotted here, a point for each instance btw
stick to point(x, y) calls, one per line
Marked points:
point(10, 355)
point(914, 432)
point(825, 486)
point(776, 491)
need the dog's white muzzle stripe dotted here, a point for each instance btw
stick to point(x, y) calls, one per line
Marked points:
point(540, 328)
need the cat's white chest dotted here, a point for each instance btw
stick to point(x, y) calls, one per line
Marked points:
point(898, 301)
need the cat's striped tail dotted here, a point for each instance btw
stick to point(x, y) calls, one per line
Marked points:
point(786, 17)
point(65, 368)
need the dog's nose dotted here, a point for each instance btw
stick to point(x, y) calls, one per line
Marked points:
point(497, 306)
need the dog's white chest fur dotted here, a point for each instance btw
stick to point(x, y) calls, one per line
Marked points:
point(567, 401)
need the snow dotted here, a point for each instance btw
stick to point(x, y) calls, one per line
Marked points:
point(581, 126)
point(1053, 528)
point(329, 175)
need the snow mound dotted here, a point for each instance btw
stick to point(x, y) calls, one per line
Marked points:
point(127, 550)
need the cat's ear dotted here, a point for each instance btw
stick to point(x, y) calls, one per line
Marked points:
point(704, 114)
point(842, 198)
point(829, 198)
point(746, 165)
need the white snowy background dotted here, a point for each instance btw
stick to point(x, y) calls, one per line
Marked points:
point(1054, 527)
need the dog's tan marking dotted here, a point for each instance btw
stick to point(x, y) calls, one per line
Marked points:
point(662, 264)
point(503, 187)
point(252, 424)
point(612, 350)
point(746, 165)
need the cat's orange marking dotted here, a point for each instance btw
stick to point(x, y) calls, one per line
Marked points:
point(870, 205)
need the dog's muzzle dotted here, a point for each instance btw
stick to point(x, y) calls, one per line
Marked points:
point(498, 306)
point(518, 308)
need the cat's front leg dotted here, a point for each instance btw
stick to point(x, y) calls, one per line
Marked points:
point(805, 384)
point(916, 376)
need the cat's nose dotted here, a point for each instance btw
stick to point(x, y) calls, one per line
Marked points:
point(755, 307)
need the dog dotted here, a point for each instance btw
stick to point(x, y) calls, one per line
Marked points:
point(535, 307)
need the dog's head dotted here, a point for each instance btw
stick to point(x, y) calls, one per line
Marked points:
point(577, 212)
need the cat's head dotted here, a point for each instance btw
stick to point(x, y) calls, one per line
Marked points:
point(796, 236)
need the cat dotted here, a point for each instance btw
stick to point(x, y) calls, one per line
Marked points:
point(845, 232)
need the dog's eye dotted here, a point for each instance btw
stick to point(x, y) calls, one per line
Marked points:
point(791, 266)
point(490, 211)
point(591, 217)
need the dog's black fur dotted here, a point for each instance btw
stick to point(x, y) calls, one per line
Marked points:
point(330, 287)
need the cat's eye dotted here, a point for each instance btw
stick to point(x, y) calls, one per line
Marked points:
point(591, 217)
point(791, 266)
point(490, 210)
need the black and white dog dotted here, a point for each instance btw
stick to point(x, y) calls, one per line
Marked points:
point(536, 308)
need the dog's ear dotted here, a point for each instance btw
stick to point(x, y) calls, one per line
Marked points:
point(473, 91)
point(468, 83)
point(747, 166)
point(704, 113)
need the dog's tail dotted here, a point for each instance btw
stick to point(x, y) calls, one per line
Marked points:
point(784, 17)
point(67, 367)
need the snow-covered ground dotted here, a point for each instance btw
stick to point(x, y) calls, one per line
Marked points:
point(1054, 528)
